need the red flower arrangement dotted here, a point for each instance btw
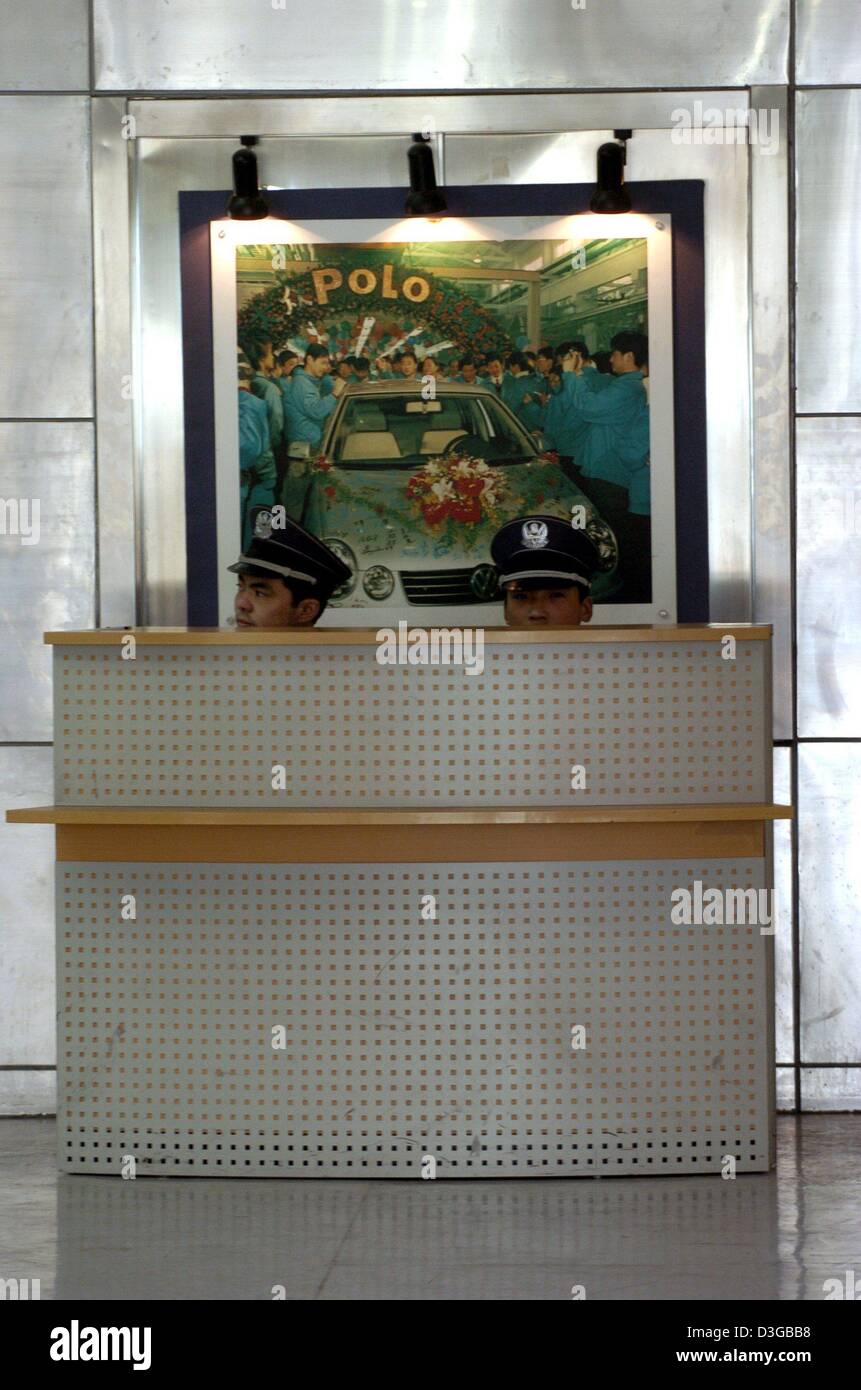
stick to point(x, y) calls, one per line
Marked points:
point(461, 489)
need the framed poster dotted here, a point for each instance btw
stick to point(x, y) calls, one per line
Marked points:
point(448, 427)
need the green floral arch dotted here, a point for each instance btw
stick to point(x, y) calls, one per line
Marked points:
point(283, 312)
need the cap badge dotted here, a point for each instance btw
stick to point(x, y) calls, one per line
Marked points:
point(263, 526)
point(534, 534)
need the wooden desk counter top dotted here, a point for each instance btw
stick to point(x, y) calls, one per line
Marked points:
point(579, 815)
point(367, 636)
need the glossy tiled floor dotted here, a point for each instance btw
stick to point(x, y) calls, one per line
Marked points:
point(764, 1236)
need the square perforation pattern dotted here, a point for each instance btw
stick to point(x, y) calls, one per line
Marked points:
point(407, 1037)
point(202, 726)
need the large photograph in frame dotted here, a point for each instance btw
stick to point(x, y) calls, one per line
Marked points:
point(436, 417)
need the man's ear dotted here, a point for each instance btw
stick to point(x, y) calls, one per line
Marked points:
point(586, 610)
point(307, 612)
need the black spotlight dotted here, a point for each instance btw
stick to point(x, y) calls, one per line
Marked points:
point(424, 198)
point(246, 203)
point(611, 195)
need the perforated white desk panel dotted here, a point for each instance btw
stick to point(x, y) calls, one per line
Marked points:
point(406, 1037)
point(651, 723)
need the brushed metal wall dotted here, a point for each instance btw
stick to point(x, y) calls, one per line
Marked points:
point(827, 42)
point(236, 45)
point(46, 337)
point(47, 571)
point(27, 916)
point(830, 880)
point(828, 485)
point(828, 250)
point(45, 46)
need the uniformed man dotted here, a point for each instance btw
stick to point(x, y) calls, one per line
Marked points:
point(469, 372)
point(520, 388)
point(264, 386)
point(308, 404)
point(257, 468)
point(286, 575)
point(552, 426)
point(495, 373)
point(545, 568)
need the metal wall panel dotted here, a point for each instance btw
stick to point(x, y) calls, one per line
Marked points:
point(783, 978)
point(769, 311)
point(199, 45)
point(831, 1088)
point(828, 251)
point(46, 45)
point(466, 113)
point(830, 884)
point(828, 473)
point(112, 261)
point(28, 1093)
point(50, 583)
point(827, 41)
point(27, 917)
point(45, 258)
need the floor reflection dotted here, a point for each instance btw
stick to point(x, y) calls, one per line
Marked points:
point(758, 1237)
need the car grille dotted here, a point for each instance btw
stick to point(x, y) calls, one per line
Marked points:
point(438, 586)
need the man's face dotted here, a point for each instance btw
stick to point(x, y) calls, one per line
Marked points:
point(469, 372)
point(345, 371)
point(262, 602)
point(559, 607)
point(544, 364)
point(621, 362)
point(362, 373)
point(317, 367)
point(409, 366)
point(494, 366)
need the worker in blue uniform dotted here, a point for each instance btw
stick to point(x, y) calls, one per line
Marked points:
point(263, 385)
point(553, 424)
point(257, 472)
point(520, 388)
point(308, 408)
point(615, 449)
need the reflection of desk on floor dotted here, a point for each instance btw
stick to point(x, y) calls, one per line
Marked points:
point(427, 943)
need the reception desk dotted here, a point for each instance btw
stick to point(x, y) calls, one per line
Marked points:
point(318, 916)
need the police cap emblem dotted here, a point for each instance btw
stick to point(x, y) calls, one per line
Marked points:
point(263, 525)
point(534, 534)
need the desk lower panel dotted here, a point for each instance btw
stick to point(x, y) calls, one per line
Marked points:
point(405, 1035)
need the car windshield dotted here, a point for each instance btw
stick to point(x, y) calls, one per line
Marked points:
point(395, 431)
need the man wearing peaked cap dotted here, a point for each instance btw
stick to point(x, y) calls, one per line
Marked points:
point(545, 568)
point(286, 575)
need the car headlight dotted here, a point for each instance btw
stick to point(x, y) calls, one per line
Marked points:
point(604, 539)
point(345, 554)
point(378, 582)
